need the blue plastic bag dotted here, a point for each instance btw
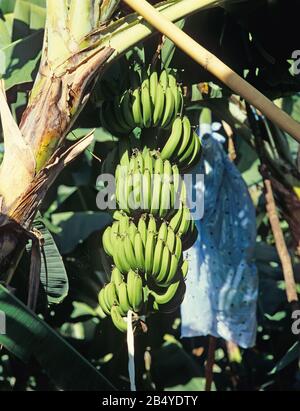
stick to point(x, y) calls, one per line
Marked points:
point(222, 283)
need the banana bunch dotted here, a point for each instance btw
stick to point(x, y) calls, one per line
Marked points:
point(151, 101)
point(182, 146)
point(121, 295)
point(152, 250)
point(131, 292)
point(146, 183)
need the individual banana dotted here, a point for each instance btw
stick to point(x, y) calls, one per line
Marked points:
point(110, 295)
point(103, 303)
point(186, 137)
point(176, 220)
point(149, 252)
point(185, 222)
point(142, 228)
point(169, 301)
point(119, 322)
point(185, 268)
point(139, 251)
point(132, 230)
point(116, 276)
point(169, 108)
point(164, 80)
point(146, 105)
point(106, 242)
point(153, 86)
point(152, 226)
point(172, 270)
point(165, 263)
point(146, 190)
point(163, 232)
point(168, 295)
point(171, 240)
point(130, 253)
point(135, 290)
point(156, 193)
point(148, 161)
point(186, 156)
point(137, 108)
point(123, 297)
point(126, 107)
point(173, 141)
point(196, 154)
point(159, 105)
point(158, 252)
point(118, 112)
point(178, 248)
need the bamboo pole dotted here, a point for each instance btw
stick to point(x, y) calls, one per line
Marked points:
point(285, 258)
point(216, 67)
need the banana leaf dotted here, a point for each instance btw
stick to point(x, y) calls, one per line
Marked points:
point(28, 336)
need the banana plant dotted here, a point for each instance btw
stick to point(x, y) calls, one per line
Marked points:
point(82, 39)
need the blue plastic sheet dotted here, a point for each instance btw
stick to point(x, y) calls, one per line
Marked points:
point(222, 283)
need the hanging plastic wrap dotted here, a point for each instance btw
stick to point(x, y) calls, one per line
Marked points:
point(222, 284)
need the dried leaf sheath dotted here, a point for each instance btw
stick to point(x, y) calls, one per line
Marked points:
point(18, 166)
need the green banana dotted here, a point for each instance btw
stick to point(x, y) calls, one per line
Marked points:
point(195, 157)
point(148, 161)
point(173, 140)
point(152, 227)
point(176, 220)
point(102, 302)
point(139, 251)
point(132, 230)
point(178, 248)
point(157, 257)
point(119, 116)
point(153, 86)
point(119, 322)
point(116, 276)
point(172, 269)
point(123, 297)
point(169, 109)
point(137, 108)
point(110, 294)
point(171, 240)
point(163, 232)
point(186, 156)
point(159, 105)
point(156, 194)
point(164, 80)
point(107, 245)
point(146, 106)
point(149, 252)
point(130, 254)
point(165, 263)
point(142, 228)
point(185, 222)
point(187, 136)
point(146, 183)
point(185, 268)
point(168, 295)
point(138, 293)
point(126, 107)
